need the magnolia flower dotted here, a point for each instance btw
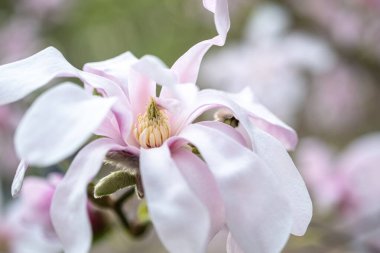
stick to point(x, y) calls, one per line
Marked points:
point(197, 178)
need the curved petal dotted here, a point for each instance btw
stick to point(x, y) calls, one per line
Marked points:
point(19, 178)
point(264, 119)
point(69, 205)
point(156, 70)
point(277, 158)
point(226, 129)
point(187, 66)
point(202, 183)
point(257, 213)
point(248, 116)
point(20, 78)
point(58, 123)
point(115, 68)
point(181, 220)
point(211, 99)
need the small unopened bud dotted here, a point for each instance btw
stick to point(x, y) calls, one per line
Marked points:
point(113, 182)
point(152, 127)
point(226, 117)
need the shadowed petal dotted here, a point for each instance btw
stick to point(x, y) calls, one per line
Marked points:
point(202, 183)
point(257, 213)
point(181, 220)
point(58, 123)
point(277, 158)
point(69, 206)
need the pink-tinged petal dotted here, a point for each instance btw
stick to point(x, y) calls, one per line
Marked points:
point(227, 130)
point(202, 183)
point(141, 89)
point(115, 69)
point(20, 78)
point(258, 214)
point(58, 123)
point(155, 69)
point(275, 156)
point(264, 119)
point(19, 178)
point(212, 99)
point(232, 246)
point(69, 206)
point(187, 67)
point(120, 121)
point(178, 215)
point(110, 128)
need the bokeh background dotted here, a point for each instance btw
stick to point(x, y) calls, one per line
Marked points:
point(315, 64)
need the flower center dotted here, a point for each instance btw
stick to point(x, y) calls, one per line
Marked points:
point(152, 127)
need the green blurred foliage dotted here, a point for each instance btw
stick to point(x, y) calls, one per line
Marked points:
point(100, 29)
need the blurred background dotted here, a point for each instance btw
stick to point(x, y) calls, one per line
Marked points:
point(315, 64)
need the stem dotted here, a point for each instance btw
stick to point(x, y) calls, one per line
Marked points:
point(133, 228)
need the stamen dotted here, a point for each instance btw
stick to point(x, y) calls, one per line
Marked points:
point(152, 127)
point(226, 117)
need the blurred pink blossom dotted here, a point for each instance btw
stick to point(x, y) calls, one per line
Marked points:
point(338, 101)
point(351, 24)
point(345, 181)
point(346, 184)
point(271, 60)
point(19, 231)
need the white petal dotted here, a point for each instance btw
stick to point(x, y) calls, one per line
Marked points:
point(115, 69)
point(257, 212)
point(180, 218)
point(69, 206)
point(232, 246)
point(19, 178)
point(187, 66)
point(277, 158)
point(156, 70)
point(58, 123)
point(141, 89)
point(20, 78)
point(264, 119)
point(211, 99)
point(202, 183)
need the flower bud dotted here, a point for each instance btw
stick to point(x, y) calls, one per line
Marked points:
point(152, 127)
